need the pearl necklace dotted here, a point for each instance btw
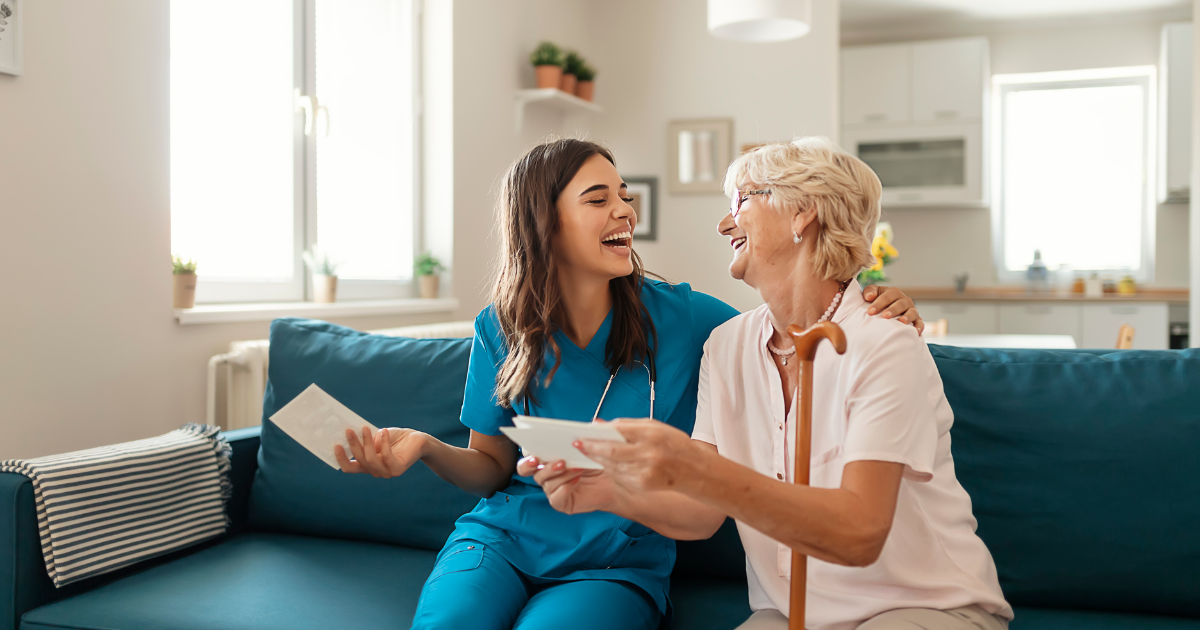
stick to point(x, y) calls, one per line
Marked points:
point(784, 354)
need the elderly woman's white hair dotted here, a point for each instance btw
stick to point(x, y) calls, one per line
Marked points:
point(814, 173)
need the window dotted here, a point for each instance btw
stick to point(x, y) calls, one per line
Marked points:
point(1074, 168)
point(295, 128)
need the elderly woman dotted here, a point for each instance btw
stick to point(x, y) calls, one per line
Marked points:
point(885, 523)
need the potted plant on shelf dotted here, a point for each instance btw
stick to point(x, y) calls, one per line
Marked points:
point(547, 61)
point(585, 88)
point(427, 267)
point(324, 275)
point(183, 294)
point(572, 64)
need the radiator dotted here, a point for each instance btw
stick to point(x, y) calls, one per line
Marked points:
point(238, 378)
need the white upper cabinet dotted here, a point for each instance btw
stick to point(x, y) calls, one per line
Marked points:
point(875, 84)
point(1175, 113)
point(949, 79)
point(915, 114)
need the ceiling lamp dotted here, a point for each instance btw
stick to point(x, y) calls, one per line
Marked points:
point(759, 20)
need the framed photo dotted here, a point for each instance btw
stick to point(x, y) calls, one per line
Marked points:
point(700, 151)
point(10, 36)
point(644, 191)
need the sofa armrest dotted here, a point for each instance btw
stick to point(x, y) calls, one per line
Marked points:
point(24, 584)
point(245, 462)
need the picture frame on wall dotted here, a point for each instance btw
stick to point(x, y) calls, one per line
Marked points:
point(700, 150)
point(644, 191)
point(10, 37)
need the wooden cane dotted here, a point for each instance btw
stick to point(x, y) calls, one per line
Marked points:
point(806, 342)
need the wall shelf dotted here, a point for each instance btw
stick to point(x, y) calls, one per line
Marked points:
point(552, 98)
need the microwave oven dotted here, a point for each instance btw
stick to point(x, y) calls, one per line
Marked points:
point(928, 165)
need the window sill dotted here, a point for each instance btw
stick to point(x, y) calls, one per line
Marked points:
point(266, 311)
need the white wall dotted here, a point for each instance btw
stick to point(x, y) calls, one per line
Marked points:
point(936, 244)
point(90, 353)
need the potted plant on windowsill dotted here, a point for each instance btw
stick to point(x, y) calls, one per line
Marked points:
point(572, 64)
point(427, 268)
point(324, 275)
point(586, 86)
point(547, 61)
point(183, 293)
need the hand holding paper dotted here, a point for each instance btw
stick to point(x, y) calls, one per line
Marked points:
point(318, 422)
point(551, 440)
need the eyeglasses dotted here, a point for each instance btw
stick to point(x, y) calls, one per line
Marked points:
point(741, 198)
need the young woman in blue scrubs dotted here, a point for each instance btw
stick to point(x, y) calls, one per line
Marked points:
point(575, 331)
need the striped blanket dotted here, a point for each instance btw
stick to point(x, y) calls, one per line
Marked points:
point(106, 508)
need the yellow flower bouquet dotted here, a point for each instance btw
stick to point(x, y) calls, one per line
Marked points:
point(884, 253)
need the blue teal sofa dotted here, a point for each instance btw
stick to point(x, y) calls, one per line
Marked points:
point(1084, 469)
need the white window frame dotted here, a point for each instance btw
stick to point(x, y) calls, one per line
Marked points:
point(1003, 84)
point(304, 221)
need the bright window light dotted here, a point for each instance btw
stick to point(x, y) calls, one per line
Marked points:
point(1074, 170)
point(365, 160)
point(232, 152)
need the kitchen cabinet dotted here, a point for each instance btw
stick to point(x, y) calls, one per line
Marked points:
point(949, 80)
point(964, 318)
point(914, 113)
point(875, 84)
point(1175, 113)
point(1036, 318)
point(1150, 322)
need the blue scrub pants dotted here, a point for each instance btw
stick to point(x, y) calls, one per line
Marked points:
point(471, 586)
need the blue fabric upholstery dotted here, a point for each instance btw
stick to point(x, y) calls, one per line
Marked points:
point(1049, 619)
point(1083, 472)
point(257, 582)
point(389, 381)
point(285, 582)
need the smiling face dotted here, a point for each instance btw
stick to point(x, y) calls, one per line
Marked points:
point(761, 238)
point(596, 223)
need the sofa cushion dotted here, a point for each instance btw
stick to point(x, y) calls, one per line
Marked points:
point(256, 582)
point(1051, 619)
point(715, 604)
point(390, 382)
point(1083, 472)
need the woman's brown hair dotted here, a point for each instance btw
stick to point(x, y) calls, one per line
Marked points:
point(526, 293)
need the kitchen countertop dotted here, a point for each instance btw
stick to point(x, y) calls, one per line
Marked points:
point(1018, 294)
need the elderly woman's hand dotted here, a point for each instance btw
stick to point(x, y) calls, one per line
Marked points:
point(656, 456)
point(893, 303)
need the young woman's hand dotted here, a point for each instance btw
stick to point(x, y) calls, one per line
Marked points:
point(570, 490)
point(387, 454)
point(892, 302)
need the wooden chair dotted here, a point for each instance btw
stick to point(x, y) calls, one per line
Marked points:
point(1125, 337)
point(940, 328)
point(806, 342)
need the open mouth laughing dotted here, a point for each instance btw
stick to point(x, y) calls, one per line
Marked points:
point(618, 241)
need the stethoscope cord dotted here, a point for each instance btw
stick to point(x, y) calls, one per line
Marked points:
point(650, 373)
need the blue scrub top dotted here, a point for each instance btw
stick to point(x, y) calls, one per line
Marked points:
point(519, 523)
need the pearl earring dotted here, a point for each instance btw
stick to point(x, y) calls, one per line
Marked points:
point(796, 238)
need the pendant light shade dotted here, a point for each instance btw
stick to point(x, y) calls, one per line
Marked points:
point(759, 20)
